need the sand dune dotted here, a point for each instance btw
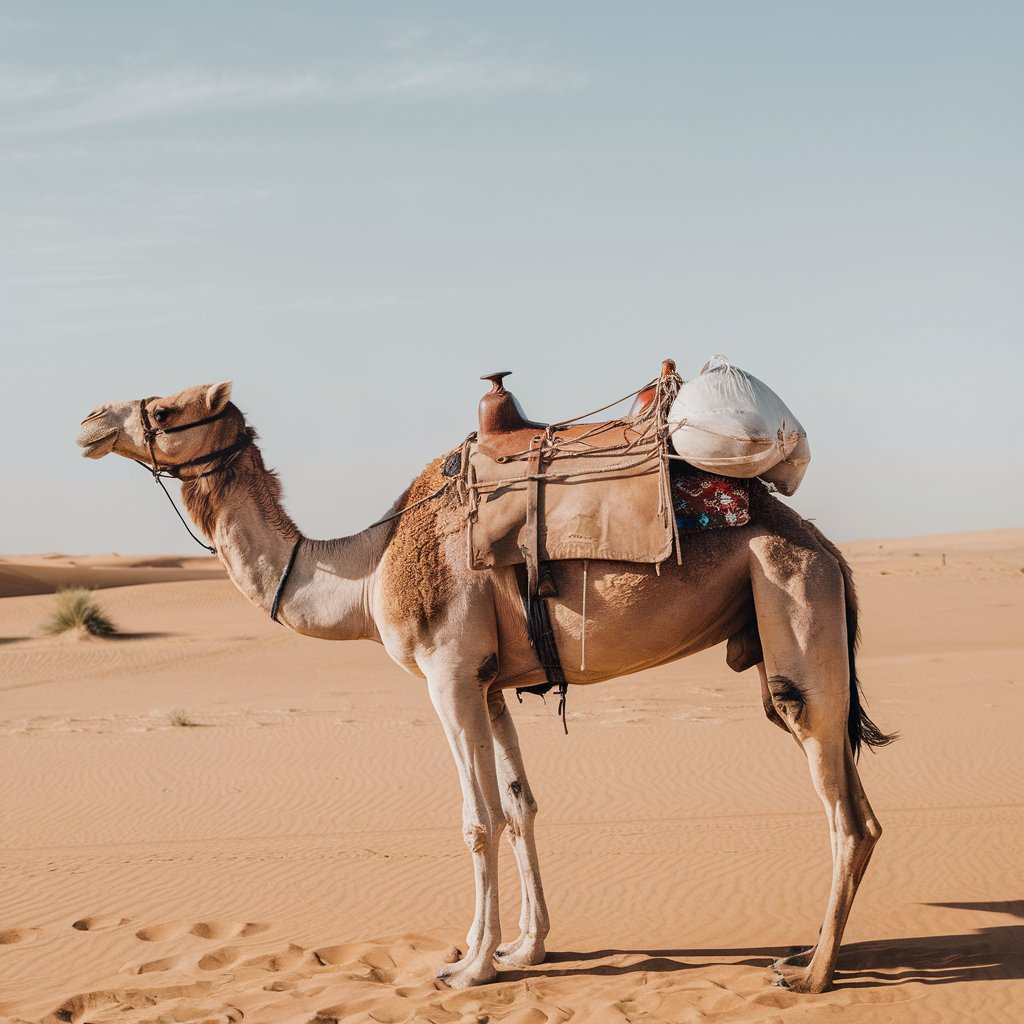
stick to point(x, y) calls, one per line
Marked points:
point(295, 855)
point(44, 574)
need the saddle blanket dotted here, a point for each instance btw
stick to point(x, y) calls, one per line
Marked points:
point(706, 501)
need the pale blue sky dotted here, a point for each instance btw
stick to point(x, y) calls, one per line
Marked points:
point(355, 210)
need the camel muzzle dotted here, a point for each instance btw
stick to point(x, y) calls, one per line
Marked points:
point(98, 448)
point(97, 435)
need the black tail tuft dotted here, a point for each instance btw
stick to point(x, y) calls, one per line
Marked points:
point(861, 729)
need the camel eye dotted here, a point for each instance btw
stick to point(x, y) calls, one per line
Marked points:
point(160, 415)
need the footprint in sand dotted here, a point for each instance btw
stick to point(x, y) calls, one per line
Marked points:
point(91, 1005)
point(283, 961)
point(282, 985)
point(369, 963)
point(167, 963)
point(384, 1009)
point(10, 936)
point(215, 930)
point(219, 959)
point(99, 922)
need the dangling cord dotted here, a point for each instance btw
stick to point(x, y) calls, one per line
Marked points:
point(202, 544)
point(583, 642)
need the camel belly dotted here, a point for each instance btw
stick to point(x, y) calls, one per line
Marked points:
point(623, 618)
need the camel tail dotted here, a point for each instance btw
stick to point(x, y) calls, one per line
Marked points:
point(859, 726)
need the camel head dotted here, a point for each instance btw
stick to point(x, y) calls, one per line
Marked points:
point(182, 428)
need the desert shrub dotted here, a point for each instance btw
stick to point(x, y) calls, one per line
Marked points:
point(77, 609)
point(180, 720)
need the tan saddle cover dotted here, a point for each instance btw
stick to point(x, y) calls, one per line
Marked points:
point(600, 494)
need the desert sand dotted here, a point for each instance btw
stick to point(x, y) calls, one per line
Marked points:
point(294, 854)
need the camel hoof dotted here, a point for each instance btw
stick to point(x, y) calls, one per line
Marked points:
point(465, 976)
point(796, 978)
point(521, 953)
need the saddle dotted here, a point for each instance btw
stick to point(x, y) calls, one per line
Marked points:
point(540, 492)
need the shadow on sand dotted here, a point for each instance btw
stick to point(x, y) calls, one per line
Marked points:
point(112, 636)
point(138, 636)
point(988, 954)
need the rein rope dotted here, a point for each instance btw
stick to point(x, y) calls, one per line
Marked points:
point(177, 512)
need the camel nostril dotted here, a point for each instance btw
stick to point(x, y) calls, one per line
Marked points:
point(98, 411)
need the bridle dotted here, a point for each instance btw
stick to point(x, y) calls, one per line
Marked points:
point(222, 457)
point(173, 470)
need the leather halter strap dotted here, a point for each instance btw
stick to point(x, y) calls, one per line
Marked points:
point(158, 469)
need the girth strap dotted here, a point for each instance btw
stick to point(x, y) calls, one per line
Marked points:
point(542, 639)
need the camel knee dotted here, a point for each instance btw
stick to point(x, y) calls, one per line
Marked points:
point(872, 829)
point(859, 837)
point(479, 837)
point(767, 700)
point(772, 715)
point(519, 807)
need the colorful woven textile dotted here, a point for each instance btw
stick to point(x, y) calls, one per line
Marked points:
point(705, 501)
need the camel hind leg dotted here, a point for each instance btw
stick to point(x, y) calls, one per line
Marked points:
point(799, 600)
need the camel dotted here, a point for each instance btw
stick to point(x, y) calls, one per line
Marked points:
point(776, 590)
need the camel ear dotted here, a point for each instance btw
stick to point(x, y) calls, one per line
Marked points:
point(218, 395)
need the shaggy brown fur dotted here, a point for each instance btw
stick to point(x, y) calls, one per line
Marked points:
point(418, 581)
point(203, 497)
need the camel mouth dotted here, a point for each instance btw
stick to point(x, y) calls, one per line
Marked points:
point(96, 447)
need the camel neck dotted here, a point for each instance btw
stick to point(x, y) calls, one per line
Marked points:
point(329, 588)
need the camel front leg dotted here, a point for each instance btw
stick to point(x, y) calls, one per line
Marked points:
point(520, 810)
point(462, 709)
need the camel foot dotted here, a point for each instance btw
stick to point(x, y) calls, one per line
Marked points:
point(798, 977)
point(526, 951)
point(467, 973)
point(510, 947)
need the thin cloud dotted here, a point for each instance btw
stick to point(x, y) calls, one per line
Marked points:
point(466, 76)
point(172, 93)
point(21, 85)
point(46, 102)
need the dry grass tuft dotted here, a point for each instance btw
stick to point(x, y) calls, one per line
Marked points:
point(78, 610)
point(180, 720)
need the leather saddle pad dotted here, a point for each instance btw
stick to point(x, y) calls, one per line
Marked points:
point(592, 503)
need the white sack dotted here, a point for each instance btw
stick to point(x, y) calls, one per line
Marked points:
point(787, 474)
point(726, 421)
